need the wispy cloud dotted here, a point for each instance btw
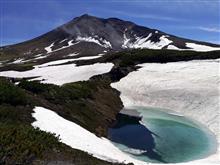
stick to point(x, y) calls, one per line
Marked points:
point(144, 15)
point(179, 5)
point(214, 41)
point(150, 16)
point(202, 28)
point(210, 29)
point(34, 22)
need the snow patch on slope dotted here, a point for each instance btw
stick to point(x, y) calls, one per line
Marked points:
point(63, 61)
point(145, 43)
point(172, 47)
point(79, 138)
point(57, 62)
point(126, 40)
point(72, 54)
point(40, 57)
point(63, 40)
point(88, 58)
point(70, 43)
point(19, 61)
point(61, 74)
point(201, 48)
point(49, 48)
point(105, 44)
point(141, 42)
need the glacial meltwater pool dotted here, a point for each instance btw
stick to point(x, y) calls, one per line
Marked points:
point(162, 137)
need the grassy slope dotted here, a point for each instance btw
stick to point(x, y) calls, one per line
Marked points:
point(92, 104)
point(21, 143)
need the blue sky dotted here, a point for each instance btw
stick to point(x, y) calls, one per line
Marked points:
point(195, 19)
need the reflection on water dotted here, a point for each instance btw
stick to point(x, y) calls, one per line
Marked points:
point(161, 137)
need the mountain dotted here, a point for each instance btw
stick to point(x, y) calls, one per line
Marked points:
point(89, 35)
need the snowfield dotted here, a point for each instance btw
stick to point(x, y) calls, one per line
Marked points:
point(61, 74)
point(189, 88)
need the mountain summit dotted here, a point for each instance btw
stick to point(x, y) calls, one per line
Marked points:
point(92, 35)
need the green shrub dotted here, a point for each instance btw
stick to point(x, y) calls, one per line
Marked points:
point(21, 142)
point(11, 94)
point(71, 91)
point(133, 57)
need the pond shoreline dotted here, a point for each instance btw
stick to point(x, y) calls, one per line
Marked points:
point(132, 123)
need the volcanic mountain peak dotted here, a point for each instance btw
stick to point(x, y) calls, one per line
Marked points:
point(90, 35)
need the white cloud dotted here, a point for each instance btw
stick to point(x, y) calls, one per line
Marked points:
point(210, 29)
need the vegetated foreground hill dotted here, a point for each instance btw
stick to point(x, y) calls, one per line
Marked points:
point(21, 143)
point(92, 104)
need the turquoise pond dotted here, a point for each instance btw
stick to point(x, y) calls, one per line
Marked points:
point(162, 137)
